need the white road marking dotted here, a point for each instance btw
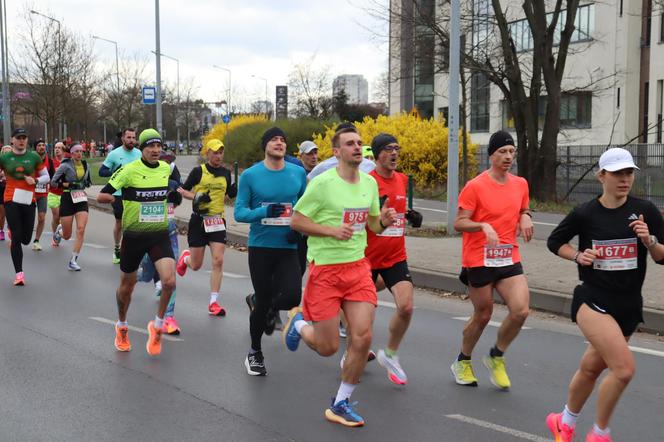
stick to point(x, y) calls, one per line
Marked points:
point(645, 351)
point(231, 275)
point(136, 329)
point(94, 246)
point(387, 304)
point(496, 427)
point(491, 323)
point(541, 223)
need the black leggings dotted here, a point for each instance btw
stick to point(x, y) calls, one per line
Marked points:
point(275, 275)
point(21, 221)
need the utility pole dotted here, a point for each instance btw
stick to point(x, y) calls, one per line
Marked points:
point(158, 56)
point(453, 123)
point(117, 75)
point(6, 111)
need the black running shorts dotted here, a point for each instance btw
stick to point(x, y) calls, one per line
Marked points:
point(68, 207)
point(625, 308)
point(198, 237)
point(393, 275)
point(134, 246)
point(481, 276)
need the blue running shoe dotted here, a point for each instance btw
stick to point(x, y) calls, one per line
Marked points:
point(289, 334)
point(342, 413)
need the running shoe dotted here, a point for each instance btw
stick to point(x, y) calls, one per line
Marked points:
point(57, 236)
point(181, 266)
point(157, 289)
point(20, 279)
point(215, 309)
point(289, 334)
point(250, 302)
point(255, 364)
point(116, 255)
point(36, 246)
point(370, 357)
point(171, 326)
point(270, 321)
point(394, 371)
point(594, 437)
point(463, 373)
point(560, 431)
point(342, 331)
point(2, 235)
point(122, 338)
point(342, 413)
point(153, 346)
point(497, 372)
point(73, 266)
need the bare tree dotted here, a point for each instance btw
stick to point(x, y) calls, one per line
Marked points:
point(124, 108)
point(310, 89)
point(381, 87)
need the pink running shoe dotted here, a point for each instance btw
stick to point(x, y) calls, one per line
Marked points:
point(560, 431)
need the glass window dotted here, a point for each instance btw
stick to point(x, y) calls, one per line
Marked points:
point(479, 102)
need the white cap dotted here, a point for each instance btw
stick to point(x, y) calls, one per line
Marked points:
point(615, 159)
point(307, 146)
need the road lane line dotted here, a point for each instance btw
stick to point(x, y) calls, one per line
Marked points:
point(645, 351)
point(541, 223)
point(491, 323)
point(231, 275)
point(496, 427)
point(136, 329)
point(387, 304)
point(94, 246)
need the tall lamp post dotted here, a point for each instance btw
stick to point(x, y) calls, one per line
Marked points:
point(6, 111)
point(265, 80)
point(177, 108)
point(228, 100)
point(117, 77)
point(158, 52)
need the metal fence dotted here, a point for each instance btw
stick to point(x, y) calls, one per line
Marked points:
point(574, 161)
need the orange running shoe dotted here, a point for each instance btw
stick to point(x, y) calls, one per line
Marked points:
point(215, 309)
point(122, 338)
point(153, 346)
point(560, 431)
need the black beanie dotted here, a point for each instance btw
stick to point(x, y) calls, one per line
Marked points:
point(380, 141)
point(271, 133)
point(498, 140)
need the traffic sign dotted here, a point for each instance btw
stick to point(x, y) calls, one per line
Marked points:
point(149, 95)
point(226, 119)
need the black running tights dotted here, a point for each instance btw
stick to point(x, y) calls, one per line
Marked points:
point(21, 221)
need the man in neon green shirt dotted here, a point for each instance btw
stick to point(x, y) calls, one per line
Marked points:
point(334, 211)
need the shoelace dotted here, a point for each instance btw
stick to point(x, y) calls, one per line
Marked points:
point(347, 407)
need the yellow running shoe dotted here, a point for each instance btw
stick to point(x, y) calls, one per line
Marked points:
point(497, 372)
point(463, 373)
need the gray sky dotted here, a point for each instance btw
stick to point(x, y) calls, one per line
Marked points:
point(250, 37)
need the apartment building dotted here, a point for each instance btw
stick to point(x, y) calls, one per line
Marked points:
point(355, 86)
point(613, 82)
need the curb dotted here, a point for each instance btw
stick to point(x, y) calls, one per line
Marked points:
point(540, 299)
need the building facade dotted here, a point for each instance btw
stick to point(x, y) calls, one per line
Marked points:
point(355, 86)
point(613, 83)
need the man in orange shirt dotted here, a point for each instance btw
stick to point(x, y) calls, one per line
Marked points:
point(387, 251)
point(493, 209)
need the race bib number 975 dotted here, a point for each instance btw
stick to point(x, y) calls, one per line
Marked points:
point(615, 254)
point(357, 218)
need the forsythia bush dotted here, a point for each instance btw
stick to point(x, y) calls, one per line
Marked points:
point(423, 146)
point(219, 129)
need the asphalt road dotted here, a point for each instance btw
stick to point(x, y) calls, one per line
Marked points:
point(62, 379)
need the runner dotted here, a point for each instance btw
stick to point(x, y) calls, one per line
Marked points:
point(492, 207)
point(367, 152)
point(41, 196)
point(387, 251)
point(366, 165)
point(207, 186)
point(145, 230)
point(267, 193)
point(73, 176)
point(616, 234)
point(334, 212)
point(23, 169)
point(115, 160)
point(308, 155)
point(55, 193)
point(3, 182)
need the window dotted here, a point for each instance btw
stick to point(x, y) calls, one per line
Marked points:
point(618, 99)
point(479, 102)
point(661, 27)
point(575, 111)
point(481, 25)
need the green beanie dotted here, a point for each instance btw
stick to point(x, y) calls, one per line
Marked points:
point(148, 136)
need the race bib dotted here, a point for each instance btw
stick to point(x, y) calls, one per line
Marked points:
point(171, 211)
point(396, 229)
point(499, 256)
point(152, 212)
point(22, 197)
point(79, 196)
point(41, 188)
point(283, 220)
point(214, 223)
point(615, 254)
point(357, 218)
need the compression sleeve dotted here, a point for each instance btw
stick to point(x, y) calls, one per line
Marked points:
point(43, 177)
point(108, 189)
point(105, 171)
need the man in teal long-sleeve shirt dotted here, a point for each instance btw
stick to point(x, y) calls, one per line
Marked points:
point(266, 195)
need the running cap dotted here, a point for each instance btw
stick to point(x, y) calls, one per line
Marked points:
point(271, 133)
point(76, 148)
point(307, 147)
point(367, 152)
point(214, 145)
point(147, 137)
point(499, 139)
point(615, 159)
point(19, 132)
point(379, 142)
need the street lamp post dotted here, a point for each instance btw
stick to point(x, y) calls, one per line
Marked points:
point(117, 73)
point(265, 80)
point(6, 111)
point(158, 57)
point(177, 108)
point(228, 100)
point(453, 123)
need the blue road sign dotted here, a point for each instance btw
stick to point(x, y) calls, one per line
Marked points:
point(226, 119)
point(149, 95)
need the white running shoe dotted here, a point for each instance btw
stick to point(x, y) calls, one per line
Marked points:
point(394, 371)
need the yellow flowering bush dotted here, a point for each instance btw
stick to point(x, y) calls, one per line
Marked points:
point(423, 146)
point(219, 130)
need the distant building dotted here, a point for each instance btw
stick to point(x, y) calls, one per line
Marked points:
point(355, 86)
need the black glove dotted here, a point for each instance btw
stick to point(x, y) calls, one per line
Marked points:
point(414, 218)
point(381, 200)
point(275, 210)
point(174, 198)
point(201, 198)
point(293, 237)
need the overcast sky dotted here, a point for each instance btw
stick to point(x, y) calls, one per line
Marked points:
point(250, 37)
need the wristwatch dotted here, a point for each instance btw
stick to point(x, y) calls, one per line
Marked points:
point(653, 241)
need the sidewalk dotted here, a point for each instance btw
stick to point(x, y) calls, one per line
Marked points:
point(435, 263)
